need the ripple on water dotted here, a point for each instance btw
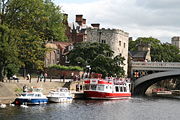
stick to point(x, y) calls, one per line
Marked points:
point(137, 108)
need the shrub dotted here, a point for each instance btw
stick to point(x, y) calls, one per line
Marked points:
point(61, 67)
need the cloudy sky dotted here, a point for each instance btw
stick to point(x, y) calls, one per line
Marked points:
point(140, 18)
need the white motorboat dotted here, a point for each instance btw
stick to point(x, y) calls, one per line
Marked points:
point(60, 95)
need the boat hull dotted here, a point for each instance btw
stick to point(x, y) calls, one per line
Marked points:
point(105, 95)
point(60, 99)
point(32, 101)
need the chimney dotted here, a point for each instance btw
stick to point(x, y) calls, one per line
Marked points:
point(95, 25)
point(79, 19)
point(84, 21)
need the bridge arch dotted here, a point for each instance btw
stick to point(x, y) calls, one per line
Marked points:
point(143, 83)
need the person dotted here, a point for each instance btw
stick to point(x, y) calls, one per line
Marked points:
point(25, 88)
point(41, 77)
point(72, 75)
point(28, 76)
point(15, 78)
point(77, 87)
point(45, 76)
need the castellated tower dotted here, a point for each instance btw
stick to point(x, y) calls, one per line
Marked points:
point(176, 41)
point(115, 38)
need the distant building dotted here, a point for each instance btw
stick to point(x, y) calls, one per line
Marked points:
point(142, 54)
point(176, 41)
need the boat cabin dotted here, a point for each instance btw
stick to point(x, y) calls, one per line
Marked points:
point(31, 95)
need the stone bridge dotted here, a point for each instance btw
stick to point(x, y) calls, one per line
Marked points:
point(145, 74)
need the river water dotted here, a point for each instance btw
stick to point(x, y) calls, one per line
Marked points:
point(136, 108)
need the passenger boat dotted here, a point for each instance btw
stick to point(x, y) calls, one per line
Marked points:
point(33, 97)
point(60, 95)
point(108, 88)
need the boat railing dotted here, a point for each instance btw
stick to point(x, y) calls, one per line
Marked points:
point(118, 80)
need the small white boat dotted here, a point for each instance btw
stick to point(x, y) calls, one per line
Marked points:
point(32, 97)
point(60, 95)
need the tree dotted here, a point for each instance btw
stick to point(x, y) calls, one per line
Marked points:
point(42, 17)
point(9, 63)
point(159, 52)
point(26, 26)
point(98, 56)
point(8, 52)
point(35, 22)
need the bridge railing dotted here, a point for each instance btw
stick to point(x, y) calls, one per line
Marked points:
point(156, 64)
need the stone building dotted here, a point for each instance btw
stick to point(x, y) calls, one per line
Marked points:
point(57, 53)
point(115, 38)
point(176, 41)
point(52, 54)
point(64, 48)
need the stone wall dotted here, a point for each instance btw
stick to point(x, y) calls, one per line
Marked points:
point(66, 73)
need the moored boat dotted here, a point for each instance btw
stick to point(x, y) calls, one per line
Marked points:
point(60, 95)
point(161, 92)
point(108, 88)
point(33, 97)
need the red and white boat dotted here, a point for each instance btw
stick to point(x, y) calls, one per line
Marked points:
point(108, 88)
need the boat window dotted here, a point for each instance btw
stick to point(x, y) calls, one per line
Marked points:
point(62, 94)
point(23, 95)
point(30, 95)
point(37, 95)
point(110, 87)
point(121, 89)
point(106, 87)
point(86, 87)
point(125, 90)
point(100, 87)
point(117, 89)
point(93, 87)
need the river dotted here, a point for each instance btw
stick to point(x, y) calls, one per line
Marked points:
point(136, 108)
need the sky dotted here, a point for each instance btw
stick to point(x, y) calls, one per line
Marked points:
point(140, 18)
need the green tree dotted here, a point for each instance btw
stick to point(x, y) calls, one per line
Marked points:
point(9, 63)
point(159, 51)
point(35, 23)
point(98, 56)
point(8, 52)
point(41, 17)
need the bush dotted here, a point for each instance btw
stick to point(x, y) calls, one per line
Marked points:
point(61, 67)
